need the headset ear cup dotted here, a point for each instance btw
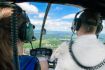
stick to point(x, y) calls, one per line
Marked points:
point(26, 32)
point(77, 24)
point(99, 28)
point(22, 32)
point(29, 32)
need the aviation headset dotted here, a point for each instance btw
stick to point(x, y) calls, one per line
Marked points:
point(25, 32)
point(84, 20)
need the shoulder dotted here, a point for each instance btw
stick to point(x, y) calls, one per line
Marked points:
point(64, 44)
point(28, 58)
point(88, 50)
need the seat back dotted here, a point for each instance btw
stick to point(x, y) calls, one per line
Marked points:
point(28, 63)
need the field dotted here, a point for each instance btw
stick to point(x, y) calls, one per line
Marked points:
point(52, 39)
point(49, 43)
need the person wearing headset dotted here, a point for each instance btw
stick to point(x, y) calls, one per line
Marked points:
point(6, 53)
point(86, 52)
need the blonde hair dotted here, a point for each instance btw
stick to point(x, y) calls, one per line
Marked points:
point(6, 54)
point(5, 44)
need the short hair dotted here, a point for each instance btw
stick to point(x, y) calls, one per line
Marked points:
point(89, 28)
point(90, 19)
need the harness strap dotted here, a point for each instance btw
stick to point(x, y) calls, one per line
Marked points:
point(82, 66)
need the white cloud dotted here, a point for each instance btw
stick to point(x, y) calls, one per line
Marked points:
point(53, 25)
point(29, 8)
point(36, 22)
point(58, 25)
point(34, 17)
point(41, 15)
point(69, 16)
point(58, 8)
point(59, 19)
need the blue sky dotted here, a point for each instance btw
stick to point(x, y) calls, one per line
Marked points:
point(56, 11)
point(60, 17)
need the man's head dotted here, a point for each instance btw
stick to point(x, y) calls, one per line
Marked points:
point(89, 22)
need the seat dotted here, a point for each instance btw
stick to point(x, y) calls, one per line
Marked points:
point(27, 62)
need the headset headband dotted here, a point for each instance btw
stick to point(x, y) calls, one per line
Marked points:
point(85, 19)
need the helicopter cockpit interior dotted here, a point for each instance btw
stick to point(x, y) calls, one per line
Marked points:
point(52, 20)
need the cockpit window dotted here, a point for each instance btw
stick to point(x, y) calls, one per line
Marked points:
point(102, 34)
point(58, 23)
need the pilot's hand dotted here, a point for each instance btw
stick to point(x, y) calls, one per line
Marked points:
point(5, 12)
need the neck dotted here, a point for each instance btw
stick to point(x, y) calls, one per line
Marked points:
point(84, 33)
point(20, 50)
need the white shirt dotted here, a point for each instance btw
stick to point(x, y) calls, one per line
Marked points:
point(87, 50)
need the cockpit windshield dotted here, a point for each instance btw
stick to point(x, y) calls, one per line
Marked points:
point(57, 26)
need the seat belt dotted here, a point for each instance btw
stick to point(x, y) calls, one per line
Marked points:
point(82, 66)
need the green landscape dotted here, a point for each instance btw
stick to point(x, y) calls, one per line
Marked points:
point(49, 43)
point(52, 39)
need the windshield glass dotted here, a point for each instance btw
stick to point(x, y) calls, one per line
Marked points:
point(102, 34)
point(58, 23)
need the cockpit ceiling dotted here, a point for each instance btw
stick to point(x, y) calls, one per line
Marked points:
point(98, 5)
